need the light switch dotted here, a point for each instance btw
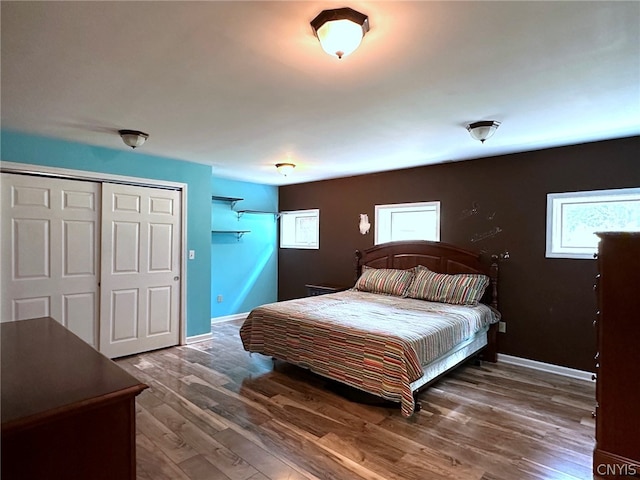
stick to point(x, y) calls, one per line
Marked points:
point(192, 254)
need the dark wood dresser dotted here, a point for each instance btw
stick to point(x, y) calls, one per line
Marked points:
point(68, 412)
point(617, 450)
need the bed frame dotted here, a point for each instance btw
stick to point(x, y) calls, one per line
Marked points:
point(441, 258)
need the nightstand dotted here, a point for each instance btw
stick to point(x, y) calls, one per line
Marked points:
point(324, 288)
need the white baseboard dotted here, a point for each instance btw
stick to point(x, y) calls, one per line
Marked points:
point(209, 335)
point(199, 338)
point(545, 367)
point(229, 318)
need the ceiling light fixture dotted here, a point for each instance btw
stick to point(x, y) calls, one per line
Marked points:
point(133, 138)
point(340, 31)
point(483, 130)
point(285, 168)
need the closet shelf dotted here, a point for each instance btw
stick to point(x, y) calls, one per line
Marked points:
point(276, 215)
point(230, 200)
point(237, 233)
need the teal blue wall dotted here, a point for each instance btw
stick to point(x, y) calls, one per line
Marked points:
point(243, 271)
point(22, 148)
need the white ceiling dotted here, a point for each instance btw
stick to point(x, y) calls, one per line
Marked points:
point(244, 85)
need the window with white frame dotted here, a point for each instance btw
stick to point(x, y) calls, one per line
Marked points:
point(574, 217)
point(300, 229)
point(407, 221)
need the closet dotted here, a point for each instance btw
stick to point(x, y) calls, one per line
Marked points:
point(102, 258)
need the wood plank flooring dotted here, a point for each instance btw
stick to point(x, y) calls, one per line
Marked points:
point(214, 412)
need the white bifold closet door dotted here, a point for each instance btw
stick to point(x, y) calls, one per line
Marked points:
point(102, 259)
point(140, 280)
point(50, 252)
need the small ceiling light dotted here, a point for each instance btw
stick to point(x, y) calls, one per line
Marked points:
point(340, 31)
point(285, 168)
point(483, 130)
point(133, 138)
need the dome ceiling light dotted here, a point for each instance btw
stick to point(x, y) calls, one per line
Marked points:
point(285, 168)
point(483, 130)
point(340, 31)
point(133, 138)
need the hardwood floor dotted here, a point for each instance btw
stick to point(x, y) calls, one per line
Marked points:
point(214, 412)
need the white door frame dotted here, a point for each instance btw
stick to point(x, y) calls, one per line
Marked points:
point(27, 168)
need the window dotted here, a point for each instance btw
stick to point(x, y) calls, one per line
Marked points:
point(573, 218)
point(407, 221)
point(300, 229)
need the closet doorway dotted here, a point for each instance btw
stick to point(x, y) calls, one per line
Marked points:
point(102, 258)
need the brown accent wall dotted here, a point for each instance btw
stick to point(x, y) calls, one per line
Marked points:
point(548, 303)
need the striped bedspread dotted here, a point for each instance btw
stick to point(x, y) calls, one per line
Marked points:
point(377, 343)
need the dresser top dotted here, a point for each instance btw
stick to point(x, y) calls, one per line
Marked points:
point(46, 371)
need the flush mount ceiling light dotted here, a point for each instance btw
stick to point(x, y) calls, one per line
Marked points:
point(133, 138)
point(483, 130)
point(340, 31)
point(285, 168)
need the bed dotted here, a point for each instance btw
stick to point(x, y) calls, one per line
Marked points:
point(417, 310)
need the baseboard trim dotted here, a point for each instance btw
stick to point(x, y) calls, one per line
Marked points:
point(209, 335)
point(545, 367)
point(199, 338)
point(229, 318)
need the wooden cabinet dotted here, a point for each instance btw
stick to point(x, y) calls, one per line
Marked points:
point(617, 449)
point(68, 412)
point(323, 288)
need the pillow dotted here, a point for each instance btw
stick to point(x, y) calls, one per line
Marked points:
point(459, 289)
point(389, 281)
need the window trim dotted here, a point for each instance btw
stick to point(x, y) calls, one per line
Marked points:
point(312, 212)
point(428, 206)
point(555, 201)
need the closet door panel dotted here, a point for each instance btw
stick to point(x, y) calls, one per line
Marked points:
point(141, 285)
point(49, 233)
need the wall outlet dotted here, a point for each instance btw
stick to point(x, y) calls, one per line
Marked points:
point(502, 327)
point(219, 298)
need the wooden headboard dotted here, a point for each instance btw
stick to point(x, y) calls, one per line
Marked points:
point(436, 256)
